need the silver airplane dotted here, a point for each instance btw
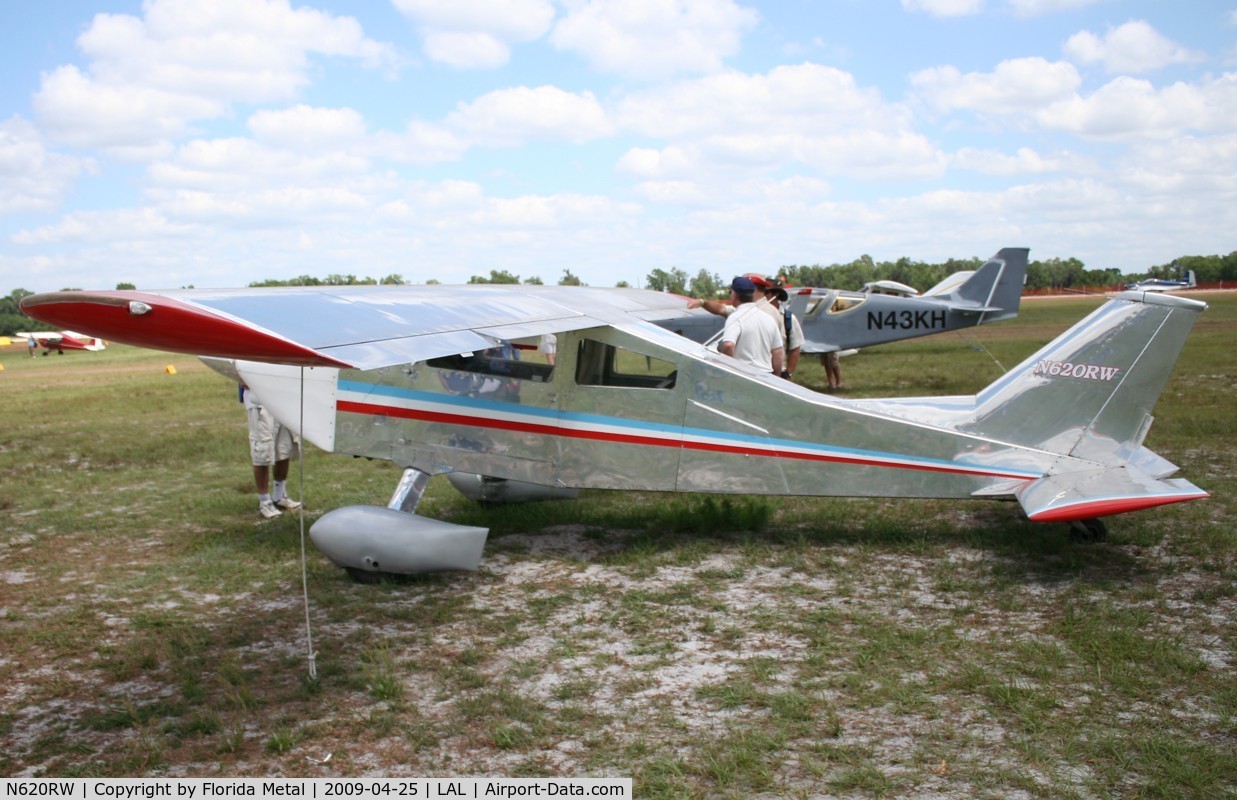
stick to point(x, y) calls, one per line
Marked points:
point(834, 319)
point(424, 376)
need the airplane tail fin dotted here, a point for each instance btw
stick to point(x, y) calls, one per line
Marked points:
point(1190, 279)
point(1088, 395)
point(1089, 392)
point(995, 289)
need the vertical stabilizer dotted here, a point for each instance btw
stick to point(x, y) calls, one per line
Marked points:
point(1089, 392)
point(995, 289)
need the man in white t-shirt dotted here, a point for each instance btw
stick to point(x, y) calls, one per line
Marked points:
point(750, 335)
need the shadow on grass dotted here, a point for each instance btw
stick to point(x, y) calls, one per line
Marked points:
point(659, 526)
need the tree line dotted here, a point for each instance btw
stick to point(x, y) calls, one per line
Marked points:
point(1053, 273)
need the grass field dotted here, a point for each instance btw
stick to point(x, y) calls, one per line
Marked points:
point(706, 647)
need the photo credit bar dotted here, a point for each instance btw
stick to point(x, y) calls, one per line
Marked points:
point(314, 788)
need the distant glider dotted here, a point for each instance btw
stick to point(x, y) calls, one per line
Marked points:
point(421, 376)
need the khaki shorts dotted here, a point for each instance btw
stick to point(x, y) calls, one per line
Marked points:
point(269, 441)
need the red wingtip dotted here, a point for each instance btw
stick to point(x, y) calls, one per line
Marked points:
point(162, 323)
point(1118, 505)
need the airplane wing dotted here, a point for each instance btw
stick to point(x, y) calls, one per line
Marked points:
point(365, 327)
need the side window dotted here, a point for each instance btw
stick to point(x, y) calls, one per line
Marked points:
point(601, 364)
point(501, 362)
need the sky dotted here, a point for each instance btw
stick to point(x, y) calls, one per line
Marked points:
point(213, 143)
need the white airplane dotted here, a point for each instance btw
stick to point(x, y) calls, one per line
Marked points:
point(1164, 284)
point(61, 341)
point(421, 376)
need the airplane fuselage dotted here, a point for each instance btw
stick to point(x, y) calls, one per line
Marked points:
point(837, 320)
point(622, 412)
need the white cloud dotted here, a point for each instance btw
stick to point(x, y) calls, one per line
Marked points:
point(244, 186)
point(442, 200)
point(1135, 47)
point(649, 162)
point(944, 8)
point(810, 115)
point(1134, 108)
point(466, 50)
point(1035, 8)
point(1022, 8)
point(235, 164)
point(544, 211)
point(476, 34)
point(33, 177)
point(134, 122)
point(123, 225)
point(304, 128)
point(149, 79)
point(276, 206)
point(653, 38)
point(421, 143)
point(1033, 90)
point(676, 193)
point(804, 98)
point(1023, 162)
point(1017, 85)
point(876, 155)
point(509, 117)
point(1191, 156)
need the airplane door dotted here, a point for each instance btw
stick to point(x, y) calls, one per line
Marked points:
point(620, 412)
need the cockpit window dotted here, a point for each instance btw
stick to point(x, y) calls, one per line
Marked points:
point(832, 301)
point(601, 364)
point(846, 302)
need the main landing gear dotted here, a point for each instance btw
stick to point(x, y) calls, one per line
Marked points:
point(1088, 530)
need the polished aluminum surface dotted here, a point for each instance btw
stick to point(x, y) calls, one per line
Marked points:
point(1077, 407)
point(629, 405)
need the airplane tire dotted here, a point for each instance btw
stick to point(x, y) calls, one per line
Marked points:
point(1088, 530)
point(367, 576)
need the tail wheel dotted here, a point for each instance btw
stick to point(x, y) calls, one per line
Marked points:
point(1088, 530)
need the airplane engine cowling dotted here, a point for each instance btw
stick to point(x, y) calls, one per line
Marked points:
point(372, 539)
point(485, 489)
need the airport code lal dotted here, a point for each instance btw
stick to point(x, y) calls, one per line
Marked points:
point(210, 789)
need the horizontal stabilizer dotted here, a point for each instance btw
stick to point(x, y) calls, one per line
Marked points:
point(1097, 493)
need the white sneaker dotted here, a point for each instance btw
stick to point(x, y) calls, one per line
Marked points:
point(268, 510)
point(287, 504)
